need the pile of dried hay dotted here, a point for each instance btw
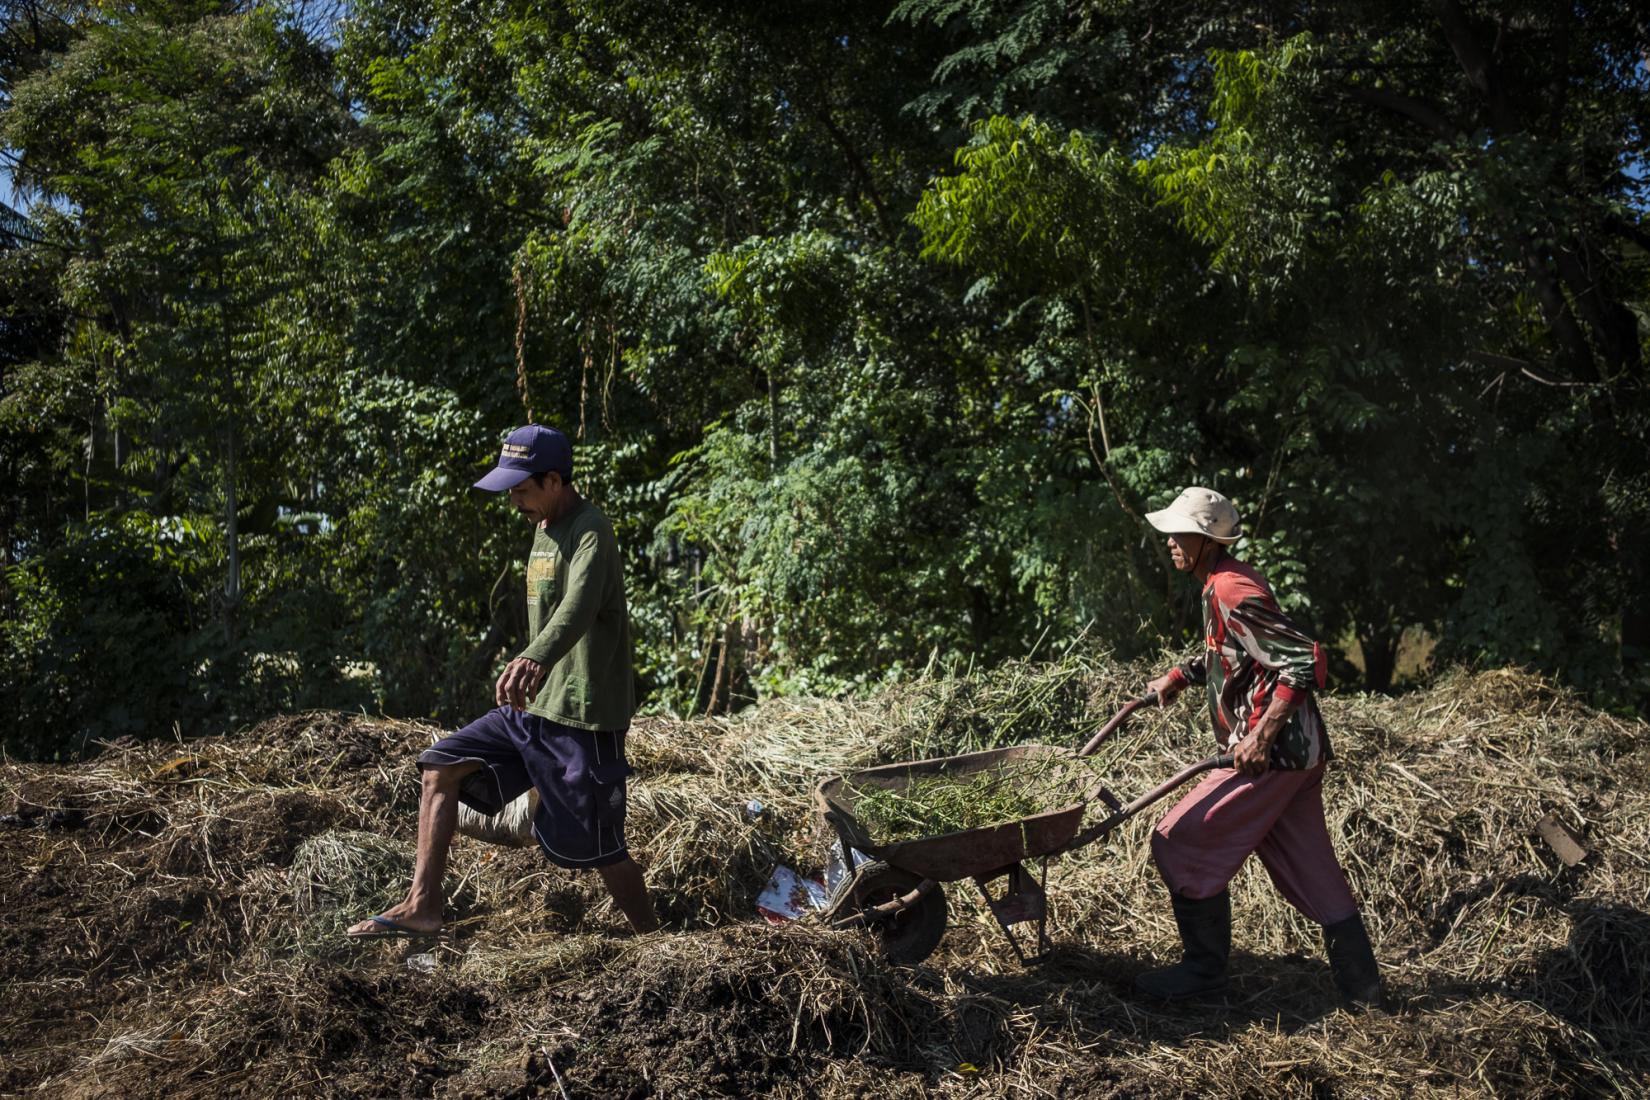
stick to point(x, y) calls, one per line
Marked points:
point(173, 910)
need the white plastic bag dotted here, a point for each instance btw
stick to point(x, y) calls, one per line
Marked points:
point(511, 826)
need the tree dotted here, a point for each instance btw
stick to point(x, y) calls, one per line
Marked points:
point(175, 140)
point(1379, 196)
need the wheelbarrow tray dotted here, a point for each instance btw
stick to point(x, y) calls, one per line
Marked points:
point(948, 857)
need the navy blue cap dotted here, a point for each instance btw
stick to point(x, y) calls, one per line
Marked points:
point(529, 450)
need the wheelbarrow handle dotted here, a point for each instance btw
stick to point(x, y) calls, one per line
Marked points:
point(1207, 764)
point(1116, 722)
point(1123, 813)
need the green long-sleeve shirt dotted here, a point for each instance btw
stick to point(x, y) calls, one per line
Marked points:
point(578, 622)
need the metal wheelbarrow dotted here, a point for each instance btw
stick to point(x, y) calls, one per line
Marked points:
point(897, 893)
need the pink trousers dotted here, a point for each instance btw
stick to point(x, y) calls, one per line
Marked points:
point(1200, 844)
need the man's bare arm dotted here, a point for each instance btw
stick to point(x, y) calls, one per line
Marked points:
point(1253, 754)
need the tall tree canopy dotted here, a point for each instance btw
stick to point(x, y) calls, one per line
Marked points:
point(877, 327)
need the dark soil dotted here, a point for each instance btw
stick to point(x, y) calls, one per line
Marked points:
point(155, 945)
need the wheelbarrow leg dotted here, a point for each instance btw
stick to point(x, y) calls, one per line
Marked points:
point(1024, 900)
point(846, 844)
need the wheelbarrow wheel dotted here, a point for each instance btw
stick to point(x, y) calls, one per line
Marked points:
point(910, 935)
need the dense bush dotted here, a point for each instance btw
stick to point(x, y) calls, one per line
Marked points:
point(876, 336)
point(103, 637)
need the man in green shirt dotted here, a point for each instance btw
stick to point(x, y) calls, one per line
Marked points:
point(564, 704)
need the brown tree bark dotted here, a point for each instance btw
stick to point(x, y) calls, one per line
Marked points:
point(1379, 643)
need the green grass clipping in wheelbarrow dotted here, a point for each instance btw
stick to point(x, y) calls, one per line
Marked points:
point(933, 805)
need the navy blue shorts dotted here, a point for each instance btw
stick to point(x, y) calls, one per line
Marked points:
point(580, 776)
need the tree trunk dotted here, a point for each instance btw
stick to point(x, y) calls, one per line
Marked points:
point(981, 622)
point(773, 419)
point(232, 578)
point(506, 619)
point(1613, 325)
point(728, 660)
point(1635, 608)
point(1380, 649)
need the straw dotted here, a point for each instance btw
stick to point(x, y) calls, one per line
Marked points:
point(173, 908)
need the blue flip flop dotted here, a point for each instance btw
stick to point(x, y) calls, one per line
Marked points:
point(389, 929)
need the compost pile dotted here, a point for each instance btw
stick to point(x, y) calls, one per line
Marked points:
point(173, 912)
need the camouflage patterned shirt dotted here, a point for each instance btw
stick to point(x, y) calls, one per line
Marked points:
point(1256, 654)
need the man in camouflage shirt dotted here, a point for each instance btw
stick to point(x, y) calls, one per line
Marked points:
point(1261, 673)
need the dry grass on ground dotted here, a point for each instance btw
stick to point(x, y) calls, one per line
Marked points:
point(172, 918)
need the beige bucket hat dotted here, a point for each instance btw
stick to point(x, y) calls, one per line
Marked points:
point(1199, 511)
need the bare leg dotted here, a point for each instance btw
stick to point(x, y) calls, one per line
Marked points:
point(437, 818)
point(624, 881)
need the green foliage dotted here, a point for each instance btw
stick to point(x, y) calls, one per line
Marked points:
point(876, 336)
point(1339, 306)
point(96, 640)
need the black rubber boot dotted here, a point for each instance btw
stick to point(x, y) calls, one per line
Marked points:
point(1352, 961)
point(1206, 941)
